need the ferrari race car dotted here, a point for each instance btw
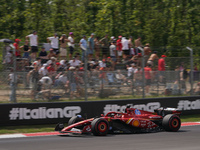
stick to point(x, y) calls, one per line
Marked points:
point(131, 121)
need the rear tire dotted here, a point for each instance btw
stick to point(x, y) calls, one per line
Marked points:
point(75, 119)
point(99, 127)
point(171, 122)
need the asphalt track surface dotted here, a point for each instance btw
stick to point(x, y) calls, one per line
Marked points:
point(187, 138)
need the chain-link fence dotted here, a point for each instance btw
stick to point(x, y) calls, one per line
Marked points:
point(98, 84)
point(17, 85)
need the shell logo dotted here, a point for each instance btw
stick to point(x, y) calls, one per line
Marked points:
point(135, 123)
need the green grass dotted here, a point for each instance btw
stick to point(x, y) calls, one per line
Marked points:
point(50, 127)
point(191, 118)
point(27, 129)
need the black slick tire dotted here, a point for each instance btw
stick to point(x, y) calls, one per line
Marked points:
point(99, 127)
point(74, 119)
point(171, 123)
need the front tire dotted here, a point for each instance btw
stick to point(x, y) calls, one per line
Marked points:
point(171, 122)
point(99, 127)
point(75, 119)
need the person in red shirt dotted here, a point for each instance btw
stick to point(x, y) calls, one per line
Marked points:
point(148, 77)
point(52, 71)
point(161, 68)
point(16, 45)
point(119, 48)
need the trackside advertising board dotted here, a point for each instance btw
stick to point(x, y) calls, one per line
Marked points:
point(50, 113)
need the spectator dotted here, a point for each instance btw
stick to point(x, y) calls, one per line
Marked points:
point(37, 62)
point(8, 57)
point(63, 66)
point(46, 82)
point(74, 62)
point(119, 48)
point(17, 50)
point(125, 48)
point(72, 82)
point(102, 76)
point(51, 54)
point(26, 50)
point(102, 64)
point(183, 79)
point(147, 52)
point(138, 79)
point(134, 60)
point(130, 46)
point(51, 71)
point(63, 46)
point(197, 89)
point(153, 58)
point(61, 79)
point(148, 76)
point(91, 46)
point(52, 60)
point(131, 70)
point(43, 55)
point(71, 44)
point(34, 44)
point(161, 68)
point(33, 78)
point(83, 45)
point(109, 63)
point(54, 43)
point(44, 88)
point(113, 52)
point(43, 70)
point(138, 44)
point(110, 76)
point(105, 46)
point(97, 47)
point(182, 66)
point(120, 77)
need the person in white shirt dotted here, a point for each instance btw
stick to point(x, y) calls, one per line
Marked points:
point(131, 71)
point(125, 47)
point(113, 52)
point(71, 44)
point(34, 44)
point(102, 64)
point(54, 43)
point(44, 88)
point(8, 57)
point(74, 62)
point(43, 70)
point(46, 81)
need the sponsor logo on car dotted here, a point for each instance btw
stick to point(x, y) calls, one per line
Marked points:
point(136, 123)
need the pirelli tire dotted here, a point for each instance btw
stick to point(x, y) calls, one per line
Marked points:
point(75, 119)
point(99, 127)
point(171, 123)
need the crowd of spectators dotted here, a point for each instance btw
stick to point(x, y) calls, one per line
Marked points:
point(62, 63)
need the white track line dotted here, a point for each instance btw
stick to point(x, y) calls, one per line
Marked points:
point(6, 136)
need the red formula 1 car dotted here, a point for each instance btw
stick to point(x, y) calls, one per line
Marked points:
point(132, 121)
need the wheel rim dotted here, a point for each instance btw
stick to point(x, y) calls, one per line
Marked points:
point(102, 127)
point(175, 123)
